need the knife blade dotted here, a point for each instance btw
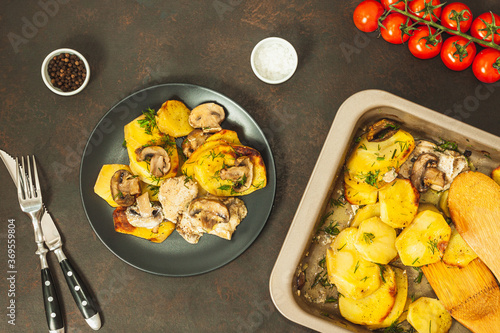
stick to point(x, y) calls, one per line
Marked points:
point(52, 239)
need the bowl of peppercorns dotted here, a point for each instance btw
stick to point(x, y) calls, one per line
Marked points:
point(66, 72)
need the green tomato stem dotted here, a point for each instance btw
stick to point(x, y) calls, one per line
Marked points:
point(450, 31)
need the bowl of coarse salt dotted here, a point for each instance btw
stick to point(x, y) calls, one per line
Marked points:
point(274, 60)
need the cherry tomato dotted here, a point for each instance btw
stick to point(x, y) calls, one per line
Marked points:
point(486, 65)
point(424, 44)
point(394, 3)
point(485, 26)
point(394, 28)
point(456, 12)
point(455, 55)
point(366, 15)
point(426, 9)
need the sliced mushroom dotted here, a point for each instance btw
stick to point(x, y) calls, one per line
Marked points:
point(124, 186)
point(144, 214)
point(207, 116)
point(425, 172)
point(237, 212)
point(209, 211)
point(159, 161)
point(382, 130)
point(194, 139)
point(241, 174)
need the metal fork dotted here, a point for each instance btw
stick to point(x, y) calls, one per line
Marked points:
point(30, 200)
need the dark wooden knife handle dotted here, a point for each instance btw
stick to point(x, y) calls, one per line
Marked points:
point(52, 308)
point(78, 289)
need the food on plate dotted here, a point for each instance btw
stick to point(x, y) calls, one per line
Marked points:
point(387, 217)
point(429, 315)
point(495, 174)
point(423, 242)
point(153, 197)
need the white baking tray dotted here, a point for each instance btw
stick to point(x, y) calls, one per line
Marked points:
point(357, 112)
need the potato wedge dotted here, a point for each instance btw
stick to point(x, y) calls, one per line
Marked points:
point(364, 213)
point(102, 185)
point(423, 242)
point(353, 276)
point(123, 226)
point(372, 309)
point(398, 203)
point(458, 253)
point(355, 197)
point(495, 174)
point(370, 161)
point(400, 302)
point(172, 119)
point(375, 241)
point(429, 315)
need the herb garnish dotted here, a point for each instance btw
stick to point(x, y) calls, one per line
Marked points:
point(149, 122)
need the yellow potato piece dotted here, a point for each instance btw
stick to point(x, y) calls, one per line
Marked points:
point(355, 197)
point(137, 136)
point(443, 203)
point(364, 213)
point(209, 164)
point(172, 119)
point(375, 241)
point(458, 252)
point(372, 309)
point(495, 174)
point(226, 135)
point(123, 226)
point(400, 302)
point(353, 276)
point(398, 203)
point(102, 185)
point(428, 315)
point(142, 170)
point(423, 242)
point(370, 161)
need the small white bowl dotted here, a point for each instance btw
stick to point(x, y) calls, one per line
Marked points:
point(47, 79)
point(274, 60)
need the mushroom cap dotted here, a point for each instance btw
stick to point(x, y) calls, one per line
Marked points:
point(241, 174)
point(209, 211)
point(207, 116)
point(159, 164)
point(124, 186)
point(424, 172)
point(193, 140)
point(144, 214)
point(382, 130)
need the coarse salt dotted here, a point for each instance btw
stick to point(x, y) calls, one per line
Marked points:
point(274, 61)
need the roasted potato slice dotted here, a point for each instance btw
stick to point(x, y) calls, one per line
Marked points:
point(123, 226)
point(355, 197)
point(400, 302)
point(172, 119)
point(364, 213)
point(374, 308)
point(398, 203)
point(141, 131)
point(226, 135)
point(371, 161)
point(353, 276)
point(423, 242)
point(458, 252)
point(443, 203)
point(495, 174)
point(102, 185)
point(429, 315)
point(375, 241)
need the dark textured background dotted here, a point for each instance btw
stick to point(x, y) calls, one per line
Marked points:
point(135, 44)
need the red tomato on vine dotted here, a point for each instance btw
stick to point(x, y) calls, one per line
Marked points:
point(458, 53)
point(426, 9)
point(485, 26)
point(366, 15)
point(486, 65)
point(395, 3)
point(395, 28)
point(456, 14)
point(425, 43)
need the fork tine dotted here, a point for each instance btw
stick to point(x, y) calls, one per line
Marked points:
point(29, 177)
point(38, 193)
point(19, 182)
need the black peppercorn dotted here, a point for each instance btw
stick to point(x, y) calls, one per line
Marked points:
point(67, 72)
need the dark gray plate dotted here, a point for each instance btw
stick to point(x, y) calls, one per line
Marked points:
point(173, 257)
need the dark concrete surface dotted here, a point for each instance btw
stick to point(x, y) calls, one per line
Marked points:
point(135, 44)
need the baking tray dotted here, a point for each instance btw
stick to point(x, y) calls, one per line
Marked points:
point(356, 113)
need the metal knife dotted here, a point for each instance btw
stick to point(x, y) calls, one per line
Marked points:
point(78, 289)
